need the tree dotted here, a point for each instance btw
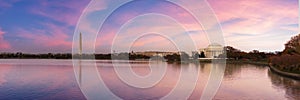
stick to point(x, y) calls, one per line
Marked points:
point(293, 46)
point(173, 57)
point(195, 55)
point(184, 56)
point(231, 49)
point(234, 53)
point(202, 55)
point(254, 51)
point(289, 59)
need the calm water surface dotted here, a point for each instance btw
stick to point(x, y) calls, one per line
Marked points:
point(55, 79)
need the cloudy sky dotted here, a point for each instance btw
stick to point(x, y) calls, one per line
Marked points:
point(40, 26)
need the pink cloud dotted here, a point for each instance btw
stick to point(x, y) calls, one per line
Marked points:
point(96, 5)
point(252, 8)
point(146, 43)
point(257, 18)
point(67, 11)
point(85, 24)
point(52, 36)
point(3, 44)
point(148, 40)
point(249, 24)
point(259, 15)
point(178, 13)
point(105, 39)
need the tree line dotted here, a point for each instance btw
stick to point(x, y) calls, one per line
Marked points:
point(254, 55)
point(116, 56)
point(232, 53)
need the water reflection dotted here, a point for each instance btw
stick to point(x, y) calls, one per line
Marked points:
point(80, 73)
point(245, 81)
point(232, 71)
point(54, 79)
point(235, 71)
point(290, 86)
point(22, 80)
point(162, 88)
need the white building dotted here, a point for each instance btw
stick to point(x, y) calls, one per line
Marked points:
point(212, 51)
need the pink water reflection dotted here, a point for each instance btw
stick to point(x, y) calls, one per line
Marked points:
point(44, 79)
point(55, 79)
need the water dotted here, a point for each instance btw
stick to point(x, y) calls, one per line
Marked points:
point(55, 79)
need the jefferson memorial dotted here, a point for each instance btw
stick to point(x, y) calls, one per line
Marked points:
point(212, 51)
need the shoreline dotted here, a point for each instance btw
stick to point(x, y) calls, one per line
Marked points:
point(260, 63)
point(228, 61)
point(285, 74)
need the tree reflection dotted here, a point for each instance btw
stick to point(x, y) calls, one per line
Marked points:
point(291, 86)
point(232, 71)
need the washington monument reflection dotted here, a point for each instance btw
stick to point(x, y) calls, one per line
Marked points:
point(80, 57)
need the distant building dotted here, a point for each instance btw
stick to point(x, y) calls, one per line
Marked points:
point(155, 53)
point(212, 51)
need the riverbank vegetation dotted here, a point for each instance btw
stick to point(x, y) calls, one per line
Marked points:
point(289, 59)
point(20, 55)
point(233, 55)
point(256, 57)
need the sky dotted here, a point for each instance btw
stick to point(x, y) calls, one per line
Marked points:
point(42, 26)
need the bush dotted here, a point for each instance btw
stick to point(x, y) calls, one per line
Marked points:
point(286, 62)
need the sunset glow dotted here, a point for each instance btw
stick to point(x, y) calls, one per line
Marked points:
point(48, 26)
